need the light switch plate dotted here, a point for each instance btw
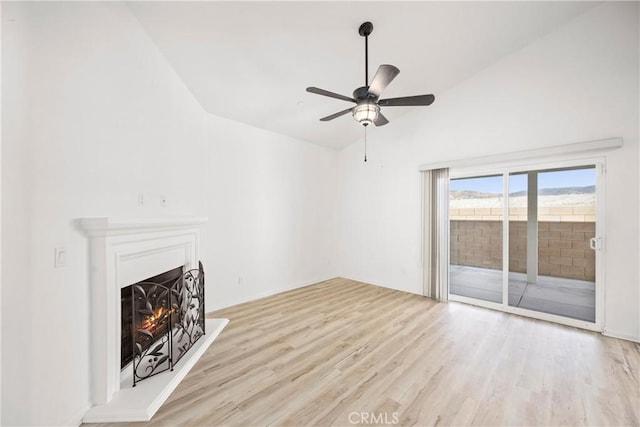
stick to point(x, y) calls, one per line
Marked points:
point(59, 257)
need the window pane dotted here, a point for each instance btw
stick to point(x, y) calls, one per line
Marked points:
point(476, 206)
point(551, 266)
point(518, 207)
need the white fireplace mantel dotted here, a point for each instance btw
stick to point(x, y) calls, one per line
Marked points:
point(125, 251)
point(112, 226)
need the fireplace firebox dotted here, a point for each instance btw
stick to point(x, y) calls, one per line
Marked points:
point(161, 319)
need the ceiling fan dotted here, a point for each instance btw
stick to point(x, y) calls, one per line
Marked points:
point(366, 98)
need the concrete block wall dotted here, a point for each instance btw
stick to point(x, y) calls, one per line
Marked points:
point(476, 243)
point(563, 246)
point(563, 250)
point(518, 246)
point(547, 214)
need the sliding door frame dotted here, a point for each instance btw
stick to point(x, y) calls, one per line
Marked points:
point(538, 165)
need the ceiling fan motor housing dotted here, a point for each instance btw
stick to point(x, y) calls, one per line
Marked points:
point(362, 94)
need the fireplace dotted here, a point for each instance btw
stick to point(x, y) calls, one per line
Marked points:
point(152, 309)
point(127, 254)
point(162, 318)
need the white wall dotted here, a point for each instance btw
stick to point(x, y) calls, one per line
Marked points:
point(578, 83)
point(93, 115)
point(15, 188)
point(272, 212)
point(99, 114)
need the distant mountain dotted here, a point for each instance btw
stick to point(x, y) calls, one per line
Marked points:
point(472, 195)
point(456, 194)
point(589, 189)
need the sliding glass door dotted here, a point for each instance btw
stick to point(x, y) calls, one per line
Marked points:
point(552, 220)
point(545, 220)
point(475, 230)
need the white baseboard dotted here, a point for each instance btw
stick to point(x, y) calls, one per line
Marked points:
point(620, 335)
point(76, 420)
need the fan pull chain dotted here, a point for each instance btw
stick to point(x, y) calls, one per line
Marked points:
point(365, 143)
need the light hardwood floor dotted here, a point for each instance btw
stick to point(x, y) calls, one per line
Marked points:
point(319, 354)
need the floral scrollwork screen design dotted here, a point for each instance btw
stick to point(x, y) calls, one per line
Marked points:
point(168, 321)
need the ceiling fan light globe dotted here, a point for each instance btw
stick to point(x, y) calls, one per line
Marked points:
point(366, 113)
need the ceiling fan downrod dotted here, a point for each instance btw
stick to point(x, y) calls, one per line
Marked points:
point(364, 30)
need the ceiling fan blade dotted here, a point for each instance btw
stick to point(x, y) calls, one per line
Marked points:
point(336, 115)
point(385, 75)
point(380, 120)
point(407, 101)
point(319, 91)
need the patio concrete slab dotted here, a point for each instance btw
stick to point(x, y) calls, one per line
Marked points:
point(553, 295)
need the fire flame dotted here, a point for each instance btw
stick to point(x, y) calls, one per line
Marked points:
point(151, 322)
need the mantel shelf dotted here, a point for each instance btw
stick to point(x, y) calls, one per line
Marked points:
point(105, 226)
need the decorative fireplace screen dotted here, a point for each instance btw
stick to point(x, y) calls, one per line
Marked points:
point(162, 318)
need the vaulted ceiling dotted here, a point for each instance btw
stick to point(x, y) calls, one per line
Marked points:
point(251, 61)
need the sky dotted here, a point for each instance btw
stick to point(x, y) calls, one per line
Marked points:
point(555, 179)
